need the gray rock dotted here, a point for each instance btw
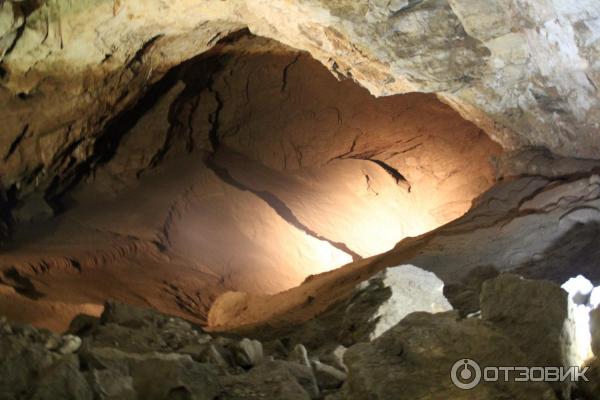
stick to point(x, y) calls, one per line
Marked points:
point(327, 376)
point(112, 384)
point(592, 388)
point(62, 380)
point(273, 380)
point(196, 351)
point(173, 378)
point(304, 376)
point(535, 316)
point(531, 313)
point(215, 355)
point(70, 344)
point(203, 338)
point(134, 329)
point(130, 316)
point(157, 375)
point(413, 360)
point(386, 298)
point(23, 358)
point(300, 355)
point(337, 395)
point(248, 352)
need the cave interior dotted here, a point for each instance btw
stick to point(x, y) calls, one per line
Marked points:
point(243, 217)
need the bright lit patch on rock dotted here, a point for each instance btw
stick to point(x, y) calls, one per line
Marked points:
point(403, 290)
point(583, 298)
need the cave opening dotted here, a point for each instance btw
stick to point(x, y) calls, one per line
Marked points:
point(249, 167)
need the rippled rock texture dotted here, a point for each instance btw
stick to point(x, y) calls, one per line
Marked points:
point(536, 227)
point(247, 168)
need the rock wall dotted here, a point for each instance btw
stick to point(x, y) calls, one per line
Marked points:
point(522, 70)
point(249, 167)
point(532, 226)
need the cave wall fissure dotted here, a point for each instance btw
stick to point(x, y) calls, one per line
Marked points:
point(248, 167)
point(278, 206)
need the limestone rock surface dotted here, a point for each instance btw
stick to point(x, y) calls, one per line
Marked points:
point(532, 313)
point(283, 173)
point(386, 298)
point(525, 71)
point(414, 360)
point(106, 366)
point(539, 228)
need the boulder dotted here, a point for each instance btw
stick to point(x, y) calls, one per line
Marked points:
point(386, 298)
point(62, 380)
point(133, 317)
point(174, 376)
point(592, 388)
point(134, 329)
point(247, 352)
point(595, 297)
point(538, 317)
point(273, 380)
point(112, 384)
point(155, 375)
point(414, 359)
point(531, 313)
point(37, 364)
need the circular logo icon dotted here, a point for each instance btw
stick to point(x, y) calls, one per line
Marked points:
point(466, 374)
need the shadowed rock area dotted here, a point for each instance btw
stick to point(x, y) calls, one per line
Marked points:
point(138, 353)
